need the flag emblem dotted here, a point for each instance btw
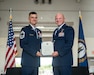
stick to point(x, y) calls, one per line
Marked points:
point(82, 50)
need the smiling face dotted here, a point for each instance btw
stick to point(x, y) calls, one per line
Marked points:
point(33, 19)
point(59, 19)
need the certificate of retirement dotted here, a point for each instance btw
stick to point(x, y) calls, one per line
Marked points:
point(47, 48)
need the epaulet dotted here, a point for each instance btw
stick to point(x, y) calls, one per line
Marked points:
point(38, 29)
point(69, 26)
point(25, 27)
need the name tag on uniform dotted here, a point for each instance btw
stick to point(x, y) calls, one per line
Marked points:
point(31, 34)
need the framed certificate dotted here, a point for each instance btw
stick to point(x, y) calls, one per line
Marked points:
point(47, 48)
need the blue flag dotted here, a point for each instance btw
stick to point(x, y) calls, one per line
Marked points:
point(82, 50)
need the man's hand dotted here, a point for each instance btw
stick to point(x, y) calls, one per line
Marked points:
point(38, 54)
point(55, 53)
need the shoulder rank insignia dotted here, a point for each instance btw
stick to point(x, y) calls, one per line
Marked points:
point(22, 34)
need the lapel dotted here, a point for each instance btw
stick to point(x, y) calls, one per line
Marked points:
point(31, 31)
point(31, 28)
point(61, 30)
point(36, 32)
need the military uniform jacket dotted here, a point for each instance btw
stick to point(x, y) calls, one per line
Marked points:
point(30, 42)
point(63, 42)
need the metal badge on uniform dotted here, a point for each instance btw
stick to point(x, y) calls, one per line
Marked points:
point(61, 34)
point(22, 34)
point(39, 34)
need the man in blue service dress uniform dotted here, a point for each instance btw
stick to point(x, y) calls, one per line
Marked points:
point(30, 42)
point(63, 38)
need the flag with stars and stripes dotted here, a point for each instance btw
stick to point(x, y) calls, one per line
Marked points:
point(11, 49)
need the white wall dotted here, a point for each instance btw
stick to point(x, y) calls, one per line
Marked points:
point(70, 8)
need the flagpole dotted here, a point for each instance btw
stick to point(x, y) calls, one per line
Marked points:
point(80, 14)
point(82, 54)
point(10, 12)
point(10, 62)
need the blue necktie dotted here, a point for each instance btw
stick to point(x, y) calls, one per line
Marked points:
point(36, 33)
point(56, 31)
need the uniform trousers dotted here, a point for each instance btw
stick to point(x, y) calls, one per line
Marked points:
point(62, 70)
point(29, 70)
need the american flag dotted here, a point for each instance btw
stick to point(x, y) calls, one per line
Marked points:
point(11, 49)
